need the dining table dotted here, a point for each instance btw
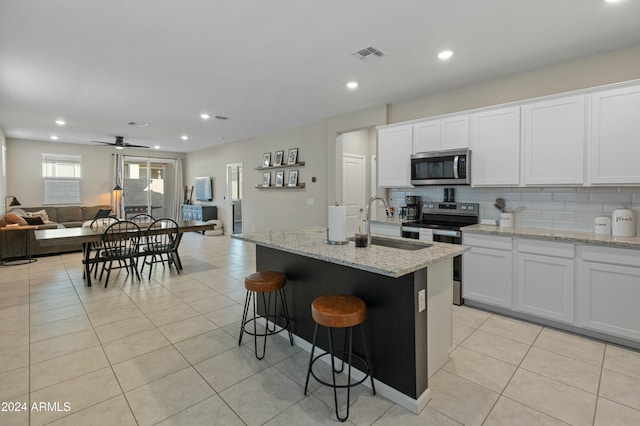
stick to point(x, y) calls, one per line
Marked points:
point(86, 236)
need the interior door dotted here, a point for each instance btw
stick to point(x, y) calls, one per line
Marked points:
point(353, 190)
point(149, 187)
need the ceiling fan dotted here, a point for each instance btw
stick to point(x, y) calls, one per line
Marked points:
point(121, 144)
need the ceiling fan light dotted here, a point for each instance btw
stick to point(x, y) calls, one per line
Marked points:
point(119, 147)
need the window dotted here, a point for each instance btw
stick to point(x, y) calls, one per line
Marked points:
point(61, 179)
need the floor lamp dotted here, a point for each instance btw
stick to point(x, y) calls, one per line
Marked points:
point(118, 198)
point(14, 202)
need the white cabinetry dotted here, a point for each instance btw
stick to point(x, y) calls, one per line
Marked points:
point(615, 144)
point(610, 291)
point(487, 270)
point(495, 147)
point(446, 133)
point(553, 141)
point(395, 145)
point(545, 271)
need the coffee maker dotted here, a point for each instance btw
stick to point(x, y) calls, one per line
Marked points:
point(411, 211)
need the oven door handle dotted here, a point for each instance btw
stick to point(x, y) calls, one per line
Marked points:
point(455, 167)
point(409, 229)
point(446, 233)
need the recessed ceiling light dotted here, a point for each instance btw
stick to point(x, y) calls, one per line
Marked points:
point(352, 84)
point(53, 137)
point(184, 137)
point(61, 122)
point(205, 116)
point(445, 54)
point(613, 1)
point(157, 147)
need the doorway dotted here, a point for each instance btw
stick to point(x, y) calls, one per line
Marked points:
point(353, 190)
point(234, 197)
point(149, 187)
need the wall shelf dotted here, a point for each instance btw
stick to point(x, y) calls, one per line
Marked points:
point(299, 186)
point(301, 163)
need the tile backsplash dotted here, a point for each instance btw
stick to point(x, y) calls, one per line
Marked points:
point(557, 208)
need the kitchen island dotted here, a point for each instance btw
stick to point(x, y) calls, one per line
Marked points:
point(408, 295)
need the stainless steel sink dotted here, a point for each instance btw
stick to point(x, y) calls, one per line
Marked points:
point(402, 245)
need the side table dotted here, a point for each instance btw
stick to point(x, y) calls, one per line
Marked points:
point(26, 229)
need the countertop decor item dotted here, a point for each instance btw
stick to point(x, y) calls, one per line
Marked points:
point(623, 223)
point(602, 225)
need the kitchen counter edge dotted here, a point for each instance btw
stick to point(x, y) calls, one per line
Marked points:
point(556, 235)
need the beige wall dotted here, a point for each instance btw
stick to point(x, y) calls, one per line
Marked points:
point(610, 67)
point(3, 171)
point(24, 169)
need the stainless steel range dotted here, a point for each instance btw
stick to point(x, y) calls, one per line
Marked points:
point(445, 220)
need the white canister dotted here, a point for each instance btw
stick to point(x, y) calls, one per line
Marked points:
point(623, 223)
point(602, 225)
point(506, 220)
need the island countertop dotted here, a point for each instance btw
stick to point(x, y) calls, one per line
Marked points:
point(392, 262)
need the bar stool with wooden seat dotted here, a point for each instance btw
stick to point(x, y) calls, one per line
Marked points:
point(340, 311)
point(266, 283)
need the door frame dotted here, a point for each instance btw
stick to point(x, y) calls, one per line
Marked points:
point(229, 200)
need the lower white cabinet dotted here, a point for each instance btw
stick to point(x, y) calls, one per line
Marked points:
point(610, 291)
point(487, 270)
point(545, 283)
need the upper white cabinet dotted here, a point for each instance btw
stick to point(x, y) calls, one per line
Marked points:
point(615, 136)
point(446, 133)
point(553, 141)
point(395, 145)
point(495, 147)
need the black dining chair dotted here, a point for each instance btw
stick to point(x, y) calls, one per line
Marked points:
point(121, 242)
point(142, 218)
point(160, 244)
point(98, 225)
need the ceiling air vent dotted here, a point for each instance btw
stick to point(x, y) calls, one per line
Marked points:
point(368, 54)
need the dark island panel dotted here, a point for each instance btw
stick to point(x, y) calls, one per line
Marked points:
point(395, 332)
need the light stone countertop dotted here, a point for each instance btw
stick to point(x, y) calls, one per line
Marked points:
point(392, 262)
point(556, 235)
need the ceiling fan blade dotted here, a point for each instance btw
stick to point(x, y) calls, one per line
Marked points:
point(106, 143)
point(128, 145)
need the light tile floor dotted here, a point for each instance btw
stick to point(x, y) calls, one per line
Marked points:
point(164, 351)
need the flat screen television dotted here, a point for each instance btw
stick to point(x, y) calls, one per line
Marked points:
point(204, 188)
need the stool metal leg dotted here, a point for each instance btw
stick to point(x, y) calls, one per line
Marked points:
point(349, 331)
point(313, 347)
point(247, 300)
point(255, 328)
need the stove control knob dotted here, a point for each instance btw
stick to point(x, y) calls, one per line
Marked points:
point(430, 206)
point(464, 207)
point(470, 207)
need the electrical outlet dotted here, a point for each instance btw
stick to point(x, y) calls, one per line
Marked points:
point(422, 302)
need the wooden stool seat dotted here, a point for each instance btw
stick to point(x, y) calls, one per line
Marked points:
point(265, 281)
point(338, 310)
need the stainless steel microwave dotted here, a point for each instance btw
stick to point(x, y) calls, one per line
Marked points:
point(451, 167)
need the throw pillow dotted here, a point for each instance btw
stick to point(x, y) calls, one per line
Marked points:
point(102, 213)
point(37, 220)
point(42, 214)
point(14, 218)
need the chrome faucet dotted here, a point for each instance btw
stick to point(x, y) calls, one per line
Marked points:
point(367, 225)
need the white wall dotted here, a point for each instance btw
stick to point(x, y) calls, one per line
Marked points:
point(24, 169)
point(3, 170)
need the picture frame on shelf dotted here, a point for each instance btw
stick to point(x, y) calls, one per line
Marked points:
point(266, 179)
point(278, 159)
point(293, 178)
point(280, 178)
point(292, 158)
point(266, 159)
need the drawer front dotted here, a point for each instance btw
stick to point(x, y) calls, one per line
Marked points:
point(613, 255)
point(488, 241)
point(546, 248)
